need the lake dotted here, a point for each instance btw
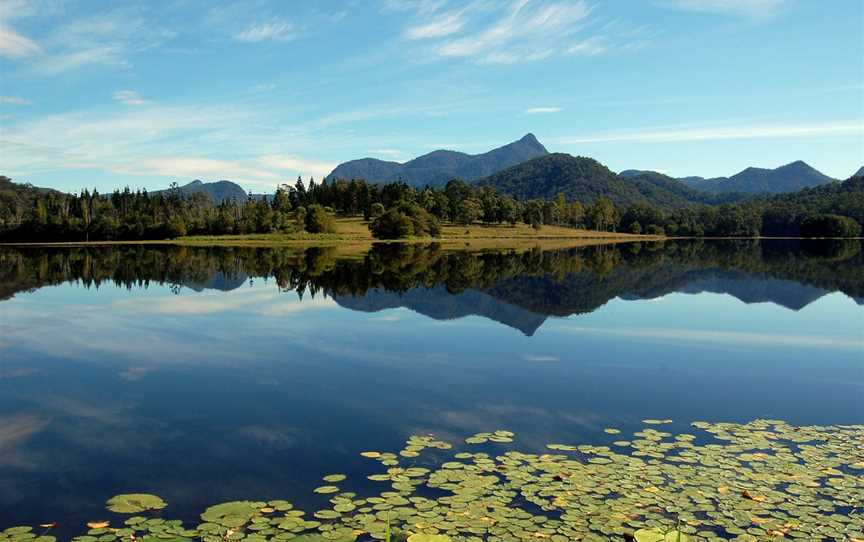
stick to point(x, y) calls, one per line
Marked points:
point(211, 374)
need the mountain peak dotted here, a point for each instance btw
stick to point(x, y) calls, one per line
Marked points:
point(797, 165)
point(859, 173)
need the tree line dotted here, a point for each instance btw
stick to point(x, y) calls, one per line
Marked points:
point(397, 210)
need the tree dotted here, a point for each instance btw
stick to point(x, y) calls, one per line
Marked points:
point(318, 220)
point(828, 225)
point(376, 210)
point(603, 215)
point(468, 211)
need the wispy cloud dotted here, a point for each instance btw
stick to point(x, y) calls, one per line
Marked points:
point(15, 45)
point(542, 110)
point(14, 100)
point(129, 97)
point(296, 165)
point(443, 25)
point(745, 8)
point(777, 131)
point(588, 47)
point(105, 39)
point(526, 31)
point(273, 30)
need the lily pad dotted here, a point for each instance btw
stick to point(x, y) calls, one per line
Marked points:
point(134, 503)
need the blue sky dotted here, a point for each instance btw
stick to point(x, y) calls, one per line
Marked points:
point(108, 94)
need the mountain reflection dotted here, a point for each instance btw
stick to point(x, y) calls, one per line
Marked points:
point(520, 289)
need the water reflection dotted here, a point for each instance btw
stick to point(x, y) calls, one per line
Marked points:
point(211, 374)
point(518, 289)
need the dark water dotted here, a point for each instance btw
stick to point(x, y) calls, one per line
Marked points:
point(212, 374)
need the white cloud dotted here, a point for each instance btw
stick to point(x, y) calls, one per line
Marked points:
point(746, 8)
point(295, 165)
point(777, 131)
point(444, 25)
point(129, 97)
point(720, 337)
point(393, 154)
point(542, 110)
point(14, 100)
point(197, 167)
point(14, 45)
point(541, 359)
point(116, 141)
point(420, 7)
point(273, 30)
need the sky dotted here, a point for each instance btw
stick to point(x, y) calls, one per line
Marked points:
point(140, 94)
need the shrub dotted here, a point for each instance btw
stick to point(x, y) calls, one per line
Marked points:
point(405, 220)
point(318, 220)
point(654, 229)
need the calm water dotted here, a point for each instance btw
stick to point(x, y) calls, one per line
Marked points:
point(213, 374)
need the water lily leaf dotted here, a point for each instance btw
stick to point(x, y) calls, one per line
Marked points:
point(420, 537)
point(231, 514)
point(134, 503)
point(649, 535)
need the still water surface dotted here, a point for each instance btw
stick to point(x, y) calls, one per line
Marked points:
point(211, 374)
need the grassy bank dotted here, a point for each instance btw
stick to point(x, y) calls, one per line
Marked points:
point(353, 234)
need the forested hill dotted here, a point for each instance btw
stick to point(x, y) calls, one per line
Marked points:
point(438, 167)
point(218, 191)
point(785, 211)
point(586, 180)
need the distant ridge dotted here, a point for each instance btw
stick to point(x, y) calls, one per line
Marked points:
point(789, 178)
point(859, 173)
point(438, 167)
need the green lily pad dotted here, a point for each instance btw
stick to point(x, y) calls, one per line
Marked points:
point(134, 503)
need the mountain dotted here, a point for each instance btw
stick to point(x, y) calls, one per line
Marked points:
point(788, 178)
point(218, 191)
point(586, 180)
point(438, 167)
point(859, 173)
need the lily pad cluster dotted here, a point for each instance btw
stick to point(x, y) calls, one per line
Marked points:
point(764, 480)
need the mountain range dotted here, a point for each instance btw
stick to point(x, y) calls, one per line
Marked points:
point(789, 178)
point(438, 167)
